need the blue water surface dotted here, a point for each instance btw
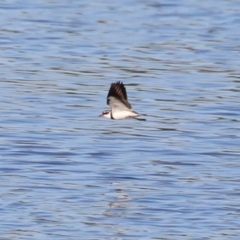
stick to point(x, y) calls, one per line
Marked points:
point(68, 174)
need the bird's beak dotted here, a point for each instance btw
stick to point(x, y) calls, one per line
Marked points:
point(100, 115)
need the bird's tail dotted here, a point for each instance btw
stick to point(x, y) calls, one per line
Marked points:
point(140, 119)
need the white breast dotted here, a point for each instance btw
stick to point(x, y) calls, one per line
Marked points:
point(123, 114)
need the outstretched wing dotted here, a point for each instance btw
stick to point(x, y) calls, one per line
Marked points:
point(117, 97)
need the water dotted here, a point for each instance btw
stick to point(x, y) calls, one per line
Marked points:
point(67, 174)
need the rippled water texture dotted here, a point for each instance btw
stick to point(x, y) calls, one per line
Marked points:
point(68, 174)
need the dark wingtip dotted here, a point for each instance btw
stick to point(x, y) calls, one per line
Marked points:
point(117, 90)
point(141, 119)
point(117, 83)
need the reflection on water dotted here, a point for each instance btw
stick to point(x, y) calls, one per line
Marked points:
point(67, 173)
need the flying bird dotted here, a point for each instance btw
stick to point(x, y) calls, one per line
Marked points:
point(120, 107)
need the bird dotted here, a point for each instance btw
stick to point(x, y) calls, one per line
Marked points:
point(118, 101)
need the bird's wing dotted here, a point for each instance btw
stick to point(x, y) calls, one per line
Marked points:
point(117, 97)
point(116, 104)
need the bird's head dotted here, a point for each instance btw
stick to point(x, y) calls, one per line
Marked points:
point(106, 114)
